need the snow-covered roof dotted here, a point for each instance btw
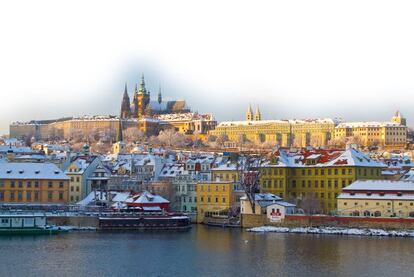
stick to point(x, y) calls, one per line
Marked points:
point(16, 149)
point(326, 158)
point(287, 122)
point(31, 171)
point(371, 124)
point(145, 198)
point(184, 117)
point(380, 185)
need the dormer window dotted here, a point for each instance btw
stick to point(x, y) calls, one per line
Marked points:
point(37, 172)
point(368, 194)
point(21, 171)
point(56, 172)
point(9, 171)
point(399, 193)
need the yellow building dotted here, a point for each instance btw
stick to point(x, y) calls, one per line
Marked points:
point(320, 174)
point(33, 183)
point(79, 171)
point(213, 199)
point(285, 133)
point(386, 134)
point(381, 198)
point(225, 172)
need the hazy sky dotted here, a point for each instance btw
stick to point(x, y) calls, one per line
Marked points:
point(296, 59)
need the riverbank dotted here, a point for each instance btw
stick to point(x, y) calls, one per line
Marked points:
point(333, 231)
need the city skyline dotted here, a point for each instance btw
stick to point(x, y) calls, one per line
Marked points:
point(301, 64)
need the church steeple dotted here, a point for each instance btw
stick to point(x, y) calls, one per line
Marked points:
point(249, 113)
point(159, 95)
point(257, 115)
point(125, 105)
point(119, 136)
point(142, 89)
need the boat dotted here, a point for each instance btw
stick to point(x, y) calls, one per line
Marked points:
point(137, 221)
point(26, 224)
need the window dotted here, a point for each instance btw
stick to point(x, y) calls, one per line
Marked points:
point(61, 185)
point(28, 196)
point(12, 196)
point(49, 184)
point(60, 195)
point(208, 199)
point(1, 195)
point(216, 199)
point(12, 184)
point(50, 195)
point(29, 184)
point(77, 179)
point(36, 184)
point(224, 200)
point(36, 196)
point(72, 179)
point(20, 184)
point(19, 195)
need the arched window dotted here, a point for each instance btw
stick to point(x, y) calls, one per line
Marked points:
point(367, 213)
point(411, 214)
point(355, 213)
point(377, 214)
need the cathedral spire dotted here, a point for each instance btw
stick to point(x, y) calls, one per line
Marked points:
point(142, 88)
point(257, 115)
point(249, 113)
point(125, 105)
point(119, 136)
point(159, 95)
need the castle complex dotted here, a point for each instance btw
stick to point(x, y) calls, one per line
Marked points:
point(148, 116)
point(142, 105)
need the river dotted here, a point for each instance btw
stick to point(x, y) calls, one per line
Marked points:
point(205, 251)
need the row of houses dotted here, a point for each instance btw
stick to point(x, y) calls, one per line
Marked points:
point(209, 183)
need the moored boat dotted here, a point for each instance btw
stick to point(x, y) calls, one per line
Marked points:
point(144, 222)
point(25, 224)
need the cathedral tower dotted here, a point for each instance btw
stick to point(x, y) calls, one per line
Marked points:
point(126, 105)
point(257, 115)
point(249, 113)
point(142, 99)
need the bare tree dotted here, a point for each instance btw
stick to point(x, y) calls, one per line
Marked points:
point(76, 135)
point(134, 135)
point(310, 204)
point(221, 139)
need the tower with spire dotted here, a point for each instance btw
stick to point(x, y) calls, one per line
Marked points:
point(125, 105)
point(159, 95)
point(249, 113)
point(257, 115)
point(141, 99)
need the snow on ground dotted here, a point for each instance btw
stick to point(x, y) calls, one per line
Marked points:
point(332, 231)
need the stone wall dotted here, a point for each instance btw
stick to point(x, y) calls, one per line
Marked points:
point(292, 221)
point(253, 220)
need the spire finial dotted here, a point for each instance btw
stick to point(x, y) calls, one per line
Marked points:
point(126, 89)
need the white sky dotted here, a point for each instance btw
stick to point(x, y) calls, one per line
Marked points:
point(296, 59)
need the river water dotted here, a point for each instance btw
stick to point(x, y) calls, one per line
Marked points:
point(205, 251)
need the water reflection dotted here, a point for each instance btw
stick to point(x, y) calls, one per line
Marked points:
point(205, 251)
